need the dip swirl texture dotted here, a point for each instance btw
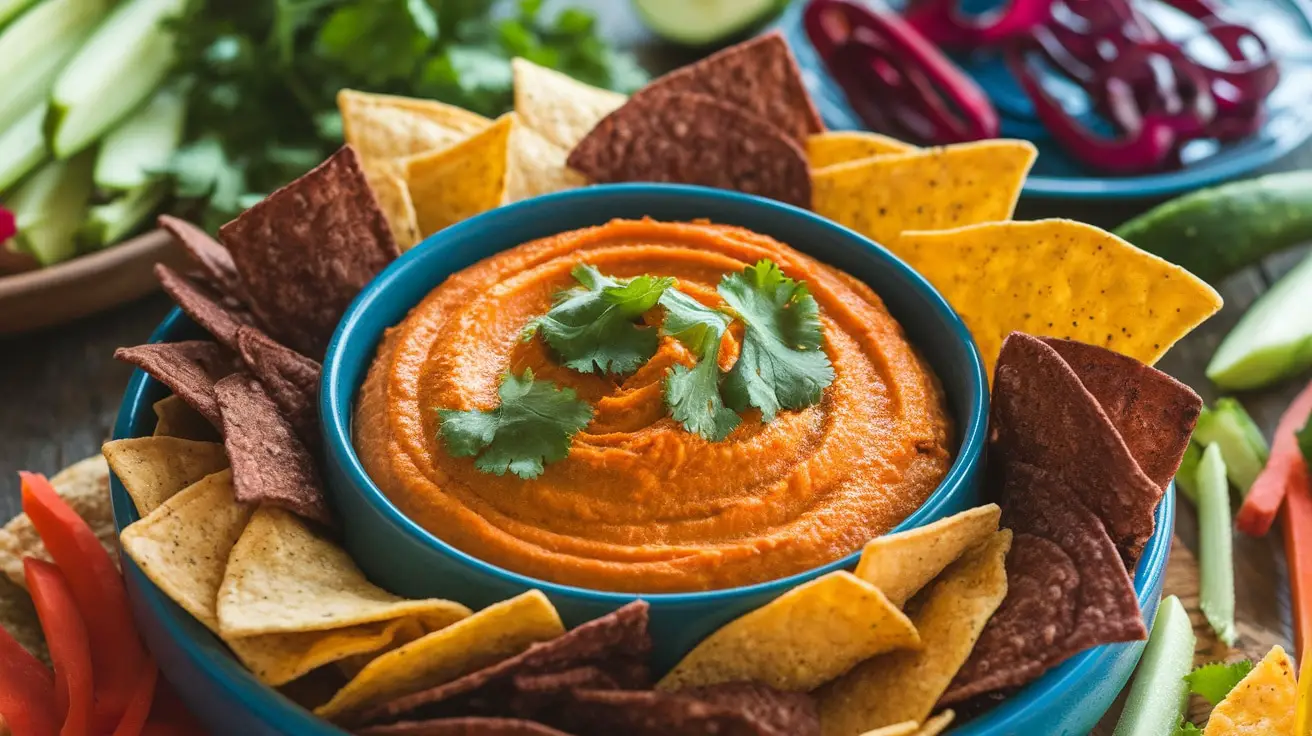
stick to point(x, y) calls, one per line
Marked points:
point(640, 504)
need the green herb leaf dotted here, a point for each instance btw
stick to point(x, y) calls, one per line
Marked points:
point(782, 365)
point(1304, 437)
point(593, 328)
point(693, 395)
point(1185, 728)
point(532, 427)
point(1215, 681)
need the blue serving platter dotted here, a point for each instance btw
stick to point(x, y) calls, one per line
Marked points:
point(1286, 26)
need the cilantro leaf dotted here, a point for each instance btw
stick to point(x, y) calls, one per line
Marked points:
point(693, 395)
point(782, 365)
point(533, 426)
point(1304, 437)
point(1185, 728)
point(593, 329)
point(1215, 681)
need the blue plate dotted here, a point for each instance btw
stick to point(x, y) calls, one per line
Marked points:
point(1286, 25)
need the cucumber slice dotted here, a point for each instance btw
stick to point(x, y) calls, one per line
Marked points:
point(22, 147)
point(1243, 447)
point(702, 22)
point(122, 63)
point(9, 9)
point(49, 208)
point(136, 151)
point(1159, 692)
point(36, 46)
point(110, 222)
point(1273, 340)
point(1216, 597)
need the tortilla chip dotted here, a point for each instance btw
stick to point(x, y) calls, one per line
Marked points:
point(394, 199)
point(933, 189)
point(283, 578)
point(154, 469)
point(656, 713)
point(559, 108)
point(846, 146)
point(1154, 413)
point(535, 165)
point(794, 714)
point(270, 464)
point(214, 260)
point(84, 485)
point(18, 617)
point(456, 183)
point(1262, 704)
point(1041, 414)
point(1067, 589)
point(1063, 279)
point(905, 728)
point(759, 76)
point(383, 128)
point(903, 563)
point(1303, 719)
point(173, 418)
point(681, 138)
point(904, 686)
point(183, 545)
point(188, 368)
point(847, 621)
point(290, 379)
point(277, 659)
point(485, 638)
point(205, 307)
point(464, 726)
point(937, 725)
point(618, 643)
point(307, 250)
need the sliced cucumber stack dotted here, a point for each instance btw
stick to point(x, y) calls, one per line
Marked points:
point(704, 22)
point(22, 147)
point(134, 153)
point(37, 45)
point(118, 68)
point(1273, 340)
point(49, 208)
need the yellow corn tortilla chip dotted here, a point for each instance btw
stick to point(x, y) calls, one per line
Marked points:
point(284, 578)
point(85, 486)
point(934, 189)
point(904, 686)
point(456, 183)
point(1059, 278)
point(801, 640)
point(559, 107)
point(409, 630)
point(394, 199)
point(277, 659)
point(535, 165)
point(383, 128)
point(175, 418)
point(154, 469)
point(485, 638)
point(1303, 719)
point(844, 146)
point(1262, 704)
point(937, 725)
point(901, 564)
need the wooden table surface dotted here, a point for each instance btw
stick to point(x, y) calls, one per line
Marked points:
point(60, 390)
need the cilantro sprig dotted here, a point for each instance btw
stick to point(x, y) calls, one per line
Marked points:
point(533, 426)
point(693, 394)
point(1215, 681)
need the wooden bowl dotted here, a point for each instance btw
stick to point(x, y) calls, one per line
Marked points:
point(47, 297)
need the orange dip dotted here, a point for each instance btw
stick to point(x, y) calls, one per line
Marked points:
point(640, 504)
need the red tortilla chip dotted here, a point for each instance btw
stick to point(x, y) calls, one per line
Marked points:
point(203, 305)
point(759, 76)
point(687, 138)
point(1154, 413)
point(190, 369)
point(214, 260)
point(1043, 415)
point(269, 462)
point(472, 726)
point(307, 250)
point(291, 379)
point(1067, 589)
point(613, 643)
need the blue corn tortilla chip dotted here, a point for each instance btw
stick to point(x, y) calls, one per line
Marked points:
point(205, 306)
point(291, 380)
point(190, 369)
point(464, 726)
point(213, 259)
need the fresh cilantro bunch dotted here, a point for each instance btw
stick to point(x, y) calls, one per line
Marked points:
point(533, 425)
point(264, 75)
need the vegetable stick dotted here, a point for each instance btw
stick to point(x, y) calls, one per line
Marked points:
point(1216, 548)
point(27, 691)
point(1263, 501)
point(70, 650)
point(1158, 694)
point(138, 710)
point(1297, 525)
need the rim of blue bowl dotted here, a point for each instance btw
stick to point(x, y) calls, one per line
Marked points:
point(336, 400)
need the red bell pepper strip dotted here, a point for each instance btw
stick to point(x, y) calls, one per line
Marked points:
point(1296, 523)
point(117, 655)
point(169, 717)
point(139, 707)
point(27, 691)
point(1268, 491)
point(70, 650)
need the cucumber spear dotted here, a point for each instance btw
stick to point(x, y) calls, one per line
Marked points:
point(22, 148)
point(49, 207)
point(134, 153)
point(1273, 340)
point(1215, 546)
point(37, 45)
point(1157, 696)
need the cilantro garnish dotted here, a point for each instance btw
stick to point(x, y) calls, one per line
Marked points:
point(781, 365)
point(693, 394)
point(1185, 728)
point(593, 327)
point(533, 426)
point(1215, 681)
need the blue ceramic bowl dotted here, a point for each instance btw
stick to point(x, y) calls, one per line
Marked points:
point(401, 556)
